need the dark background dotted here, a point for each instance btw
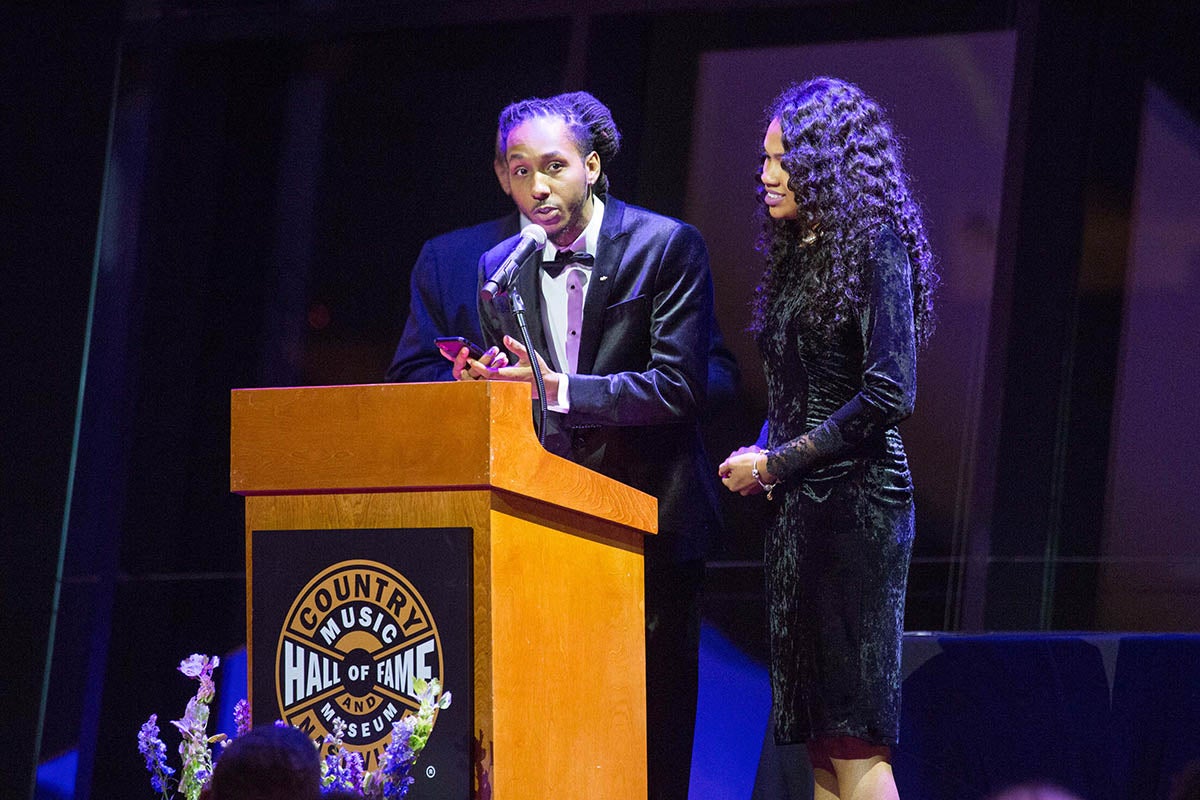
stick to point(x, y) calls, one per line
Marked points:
point(208, 195)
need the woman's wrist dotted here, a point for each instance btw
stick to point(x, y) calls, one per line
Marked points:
point(760, 477)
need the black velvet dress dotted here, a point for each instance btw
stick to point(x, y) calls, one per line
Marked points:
point(838, 548)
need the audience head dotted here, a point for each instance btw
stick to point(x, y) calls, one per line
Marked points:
point(267, 763)
point(1185, 785)
point(1034, 791)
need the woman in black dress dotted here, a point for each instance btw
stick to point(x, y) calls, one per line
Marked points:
point(844, 305)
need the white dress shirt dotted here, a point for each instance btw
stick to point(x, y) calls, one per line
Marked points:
point(563, 300)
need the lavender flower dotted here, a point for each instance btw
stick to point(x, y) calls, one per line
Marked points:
point(194, 747)
point(154, 751)
point(432, 699)
point(193, 665)
point(241, 717)
point(201, 668)
point(409, 735)
point(393, 779)
point(340, 769)
point(339, 732)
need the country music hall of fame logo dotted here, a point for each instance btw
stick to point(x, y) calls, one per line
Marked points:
point(354, 642)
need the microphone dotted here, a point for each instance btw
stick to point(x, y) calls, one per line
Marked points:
point(533, 238)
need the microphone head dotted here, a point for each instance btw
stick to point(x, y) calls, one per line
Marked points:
point(533, 239)
point(535, 232)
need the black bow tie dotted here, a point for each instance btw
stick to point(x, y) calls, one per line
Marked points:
point(562, 258)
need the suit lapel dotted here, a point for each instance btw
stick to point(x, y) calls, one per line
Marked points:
point(611, 250)
point(529, 284)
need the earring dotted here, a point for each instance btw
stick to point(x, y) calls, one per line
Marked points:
point(811, 235)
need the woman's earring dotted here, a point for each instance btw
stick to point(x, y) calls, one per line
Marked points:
point(811, 235)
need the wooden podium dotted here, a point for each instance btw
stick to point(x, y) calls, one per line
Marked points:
point(556, 561)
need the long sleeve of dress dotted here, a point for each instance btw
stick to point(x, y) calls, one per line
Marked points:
point(889, 385)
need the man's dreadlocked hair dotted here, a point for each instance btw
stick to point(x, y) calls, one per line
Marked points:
point(588, 121)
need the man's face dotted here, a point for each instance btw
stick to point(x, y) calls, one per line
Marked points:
point(550, 181)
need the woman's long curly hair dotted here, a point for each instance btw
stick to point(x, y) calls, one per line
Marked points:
point(844, 168)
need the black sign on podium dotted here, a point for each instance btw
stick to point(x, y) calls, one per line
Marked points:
point(344, 622)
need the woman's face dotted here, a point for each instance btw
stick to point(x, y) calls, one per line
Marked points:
point(780, 200)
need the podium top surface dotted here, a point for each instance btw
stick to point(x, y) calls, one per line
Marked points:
point(413, 437)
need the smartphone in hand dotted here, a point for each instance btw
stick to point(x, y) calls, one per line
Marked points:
point(450, 345)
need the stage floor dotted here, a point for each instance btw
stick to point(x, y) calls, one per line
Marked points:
point(1106, 716)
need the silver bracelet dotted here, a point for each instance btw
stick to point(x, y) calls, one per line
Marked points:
point(768, 488)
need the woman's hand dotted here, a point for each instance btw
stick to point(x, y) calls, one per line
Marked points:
point(736, 471)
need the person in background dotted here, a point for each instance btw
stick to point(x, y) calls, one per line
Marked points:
point(444, 292)
point(1034, 791)
point(1185, 784)
point(842, 308)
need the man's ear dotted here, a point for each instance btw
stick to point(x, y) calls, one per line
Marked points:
point(592, 164)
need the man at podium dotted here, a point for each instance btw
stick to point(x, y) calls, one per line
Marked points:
point(444, 288)
point(619, 308)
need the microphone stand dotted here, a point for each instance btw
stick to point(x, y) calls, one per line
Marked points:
point(518, 309)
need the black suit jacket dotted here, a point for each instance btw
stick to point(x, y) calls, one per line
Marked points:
point(640, 386)
point(443, 302)
point(444, 296)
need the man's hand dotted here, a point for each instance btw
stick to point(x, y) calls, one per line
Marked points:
point(468, 369)
point(493, 365)
point(523, 370)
